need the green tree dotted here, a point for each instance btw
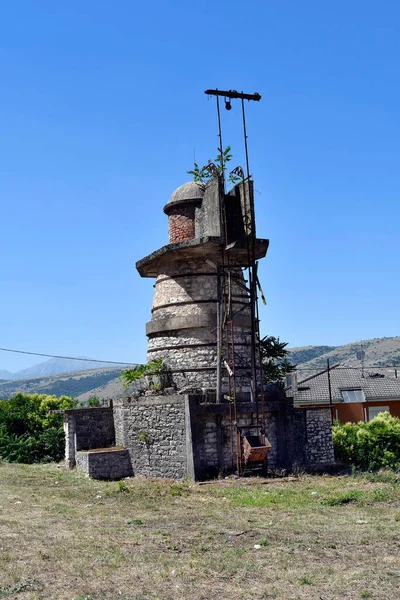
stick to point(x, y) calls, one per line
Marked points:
point(29, 432)
point(93, 401)
point(274, 359)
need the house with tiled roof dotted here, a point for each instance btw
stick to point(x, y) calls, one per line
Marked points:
point(352, 393)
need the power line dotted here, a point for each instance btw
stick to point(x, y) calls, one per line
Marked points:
point(299, 368)
point(108, 362)
point(114, 362)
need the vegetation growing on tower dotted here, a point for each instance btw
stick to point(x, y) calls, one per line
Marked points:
point(205, 174)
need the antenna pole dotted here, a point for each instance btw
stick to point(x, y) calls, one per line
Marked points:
point(220, 145)
point(245, 140)
point(252, 272)
point(362, 359)
point(328, 370)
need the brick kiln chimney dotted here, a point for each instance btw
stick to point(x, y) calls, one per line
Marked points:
point(207, 229)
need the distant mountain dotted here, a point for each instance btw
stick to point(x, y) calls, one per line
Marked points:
point(303, 354)
point(6, 375)
point(67, 384)
point(378, 352)
point(54, 366)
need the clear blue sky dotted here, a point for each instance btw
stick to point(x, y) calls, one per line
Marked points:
point(101, 106)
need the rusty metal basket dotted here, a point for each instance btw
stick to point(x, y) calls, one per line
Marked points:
point(255, 449)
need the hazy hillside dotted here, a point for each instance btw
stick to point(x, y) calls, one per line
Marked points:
point(6, 375)
point(52, 367)
point(379, 352)
point(304, 354)
point(114, 388)
point(69, 384)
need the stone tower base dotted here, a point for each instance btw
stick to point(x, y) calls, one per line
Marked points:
point(178, 436)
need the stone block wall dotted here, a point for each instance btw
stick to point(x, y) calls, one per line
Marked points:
point(297, 438)
point(112, 464)
point(87, 428)
point(215, 440)
point(94, 428)
point(176, 435)
point(183, 326)
point(153, 428)
point(319, 444)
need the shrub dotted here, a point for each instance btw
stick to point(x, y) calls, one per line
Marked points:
point(28, 432)
point(93, 401)
point(374, 445)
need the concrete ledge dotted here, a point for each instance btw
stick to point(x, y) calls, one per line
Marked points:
point(184, 322)
point(86, 409)
point(209, 246)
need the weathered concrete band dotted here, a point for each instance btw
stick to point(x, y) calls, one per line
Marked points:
point(185, 275)
point(189, 322)
point(200, 301)
point(186, 346)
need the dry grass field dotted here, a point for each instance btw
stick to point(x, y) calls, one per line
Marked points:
point(65, 537)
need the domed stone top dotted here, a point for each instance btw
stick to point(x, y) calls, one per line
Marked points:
point(186, 194)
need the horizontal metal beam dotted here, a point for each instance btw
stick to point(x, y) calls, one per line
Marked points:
point(233, 94)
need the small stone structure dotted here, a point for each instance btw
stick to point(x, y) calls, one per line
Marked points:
point(191, 430)
point(175, 436)
point(105, 463)
point(90, 444)
point(86, 429)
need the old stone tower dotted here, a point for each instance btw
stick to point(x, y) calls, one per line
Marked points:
point(215, 414)
point(195, 428)
point(207, 242)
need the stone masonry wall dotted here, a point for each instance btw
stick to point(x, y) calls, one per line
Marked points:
point(181, 223)
point(208, 429)
point(174, 435)
point(153, 429)
point(93, 427)
point(190, 281)
point(111, 465)
point(188, 290)
point(300, 438)
point(197, 347)
point(319, 448)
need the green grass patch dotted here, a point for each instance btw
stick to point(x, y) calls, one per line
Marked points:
point(261, 498)
point(352, 496)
